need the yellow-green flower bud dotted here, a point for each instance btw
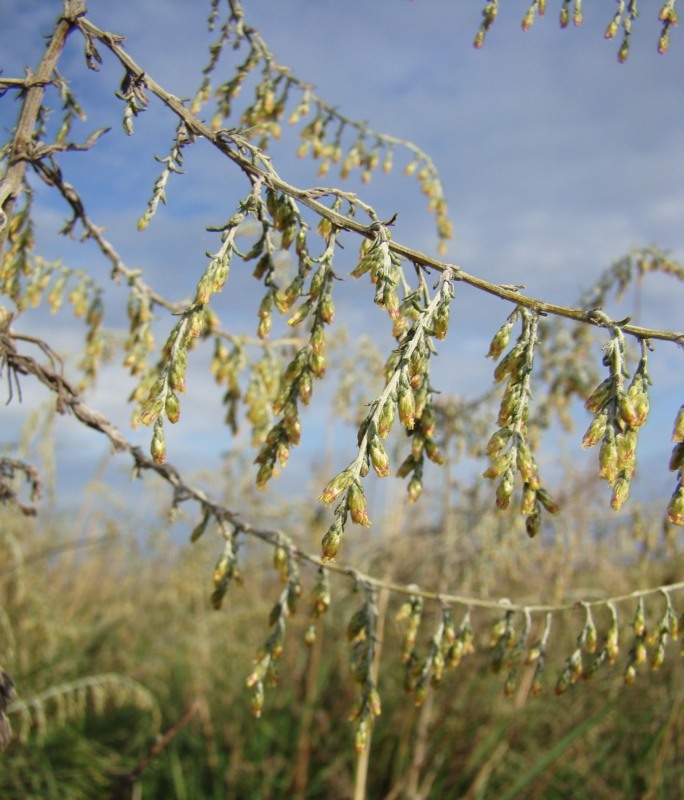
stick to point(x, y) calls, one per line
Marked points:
point(356, 503)
point(195, 324)
point(678, 430)
point(172, 407)
point(406, 467)
point(336, 487)
point(500, 465)
point(177, 376)
point(264, 474)
point(525, 461)
point(533, 522)
point(204, 290)
point(639, 622)
point(326, 309)
point(414, 489)
point(626, 446)
point(386, 418)
point(608, 459)
point(407, 406)
point(675, 509)
point(504, 490)
point(305, 387)
point(379, 457)
point(595, 431)
point(361, 736)
point(547, 501)
point(331, 542)
point(433, 452)
point(317, 364)
point(300, 313)
point(441, 321)
point(498, 441)
point(158, 445)
point(658, 656)
point(627, 410)
point(529, 500)
point(612, 29)
point(600, 396)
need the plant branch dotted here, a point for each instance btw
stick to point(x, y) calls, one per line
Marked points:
point(234, 147)
point(69, 400)
point(23, 140)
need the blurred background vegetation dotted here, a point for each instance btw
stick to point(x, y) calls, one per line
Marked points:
point(112, 643)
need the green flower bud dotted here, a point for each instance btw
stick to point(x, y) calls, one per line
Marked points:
point(379, 457)
point(498, 441)
point(620, 492)
point(525, 461)
point(407, 406)
point(336, 487)
point(172, 407)
point(386, 418)
point(204, 290)
point(331, 542)
point(529, 503)
point(547, 501)
point(627, 410)
point(675, 509)
point(678, 430)
point(326, 309)
point(158, 445)
point(356, 503)
point(608, 458)
point(600, 396)
point(406, 467)
point(595, 431)
point(500, 465)
point(317, 364)
point(414, 489)
point(504, 490)
point(265, 473)
point(433, 452)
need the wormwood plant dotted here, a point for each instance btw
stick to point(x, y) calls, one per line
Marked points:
point(539, 367)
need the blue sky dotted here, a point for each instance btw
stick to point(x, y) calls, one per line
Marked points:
point(555, 159)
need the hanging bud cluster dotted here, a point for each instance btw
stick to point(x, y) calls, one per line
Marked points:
point(362, 638)
point(167, 380)
point(509, 448)
point(309, 362)
point(675, 509)
point(619, 413)
point(445, 649)
point(536, 656)
point(624, 16)
point(132, 92)
point(539, 7)
point(328, 135)
point(669, 17)
point(407, 396)
point(140, 341)
point(489, 14)
point(384, 269)
point(281, 226)
point(226, 569)
point(320, 603)
point(26, 278)
point(626, 13)
point(507, 647)
point(18, 259)
point(265, 671)
point(172, 164)
point(586, 646)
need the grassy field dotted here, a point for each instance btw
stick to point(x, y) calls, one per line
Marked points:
point(111, 644)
